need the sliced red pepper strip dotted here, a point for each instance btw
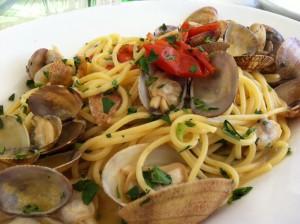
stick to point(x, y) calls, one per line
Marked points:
point(200, 29)
point(125, 53)
point(184, 31)
point(203, 59)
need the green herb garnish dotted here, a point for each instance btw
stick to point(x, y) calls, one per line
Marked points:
point(77, 62)
point(134, 193)
point(163, 27)
point(150, 80)
point(258, 111)
point(11, 97)
point(201, 48)
point(152, 57)
point(161, 86)
point(171, 39)
point(239, 193)
point(1, 124)
point(166, 118)
point(30, 84)
point(186, 148)
point(193, 69)
point(145, 61)
point(224, 173)
point(201, 105)
point(46, 74)
point(189, 123)
point(155, 177)
point(115, 84)
point(88, 188)
point(289, 152)
point(107, 104)
point(20, 155)
point(2, 149)
point(64, 60)
point(19, 119)
point(230, 131)
point(108, 135)
point(131, 110)
point(180, 131)
point(208, 39)
point(30, 208)
point(1, 110)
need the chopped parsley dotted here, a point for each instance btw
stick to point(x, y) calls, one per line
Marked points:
point(30, 208)
point(131, 110)
point(163, 27)
point(107, 104)
point(115, 84)
point(265, 122)
point(30, 84)
point(19, 119)
point(77, 62)
point(189, 123)
point(24, 109)
point(208, 39)
point(193, 69)
point(171, 39)
point(239, 193)
point(1, 110)
point(46, 74)
point(152, 57)
point(1, 124)
point(108, 135)
point(185, 148)
point(201, 48)
point(142, 39)
point(145, 61)
point(118, 192)
point(289, 152)
point(151, 80)
point(2, 149)
point(20, 155)
point(270, 88)
point(157, 177)
point(88, 188)
point(77, 83)
point(201, 105)
point(166, 118)
point(77, 145)
point(64, 60)
point(230, 131)
point(180, 131)
point(134, 193)
point(11, 97)
point(258, 111)
point(224, 173)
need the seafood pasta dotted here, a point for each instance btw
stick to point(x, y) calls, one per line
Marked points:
point(186, 116)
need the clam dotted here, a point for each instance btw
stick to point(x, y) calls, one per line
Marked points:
point(288, 59)
point(255, 62)
point(183, 203)
point(211, 96)
point(46, 131)
point(56, 73)
point(259, 32)
point(242, 41)
point(290, 92)
point(160, 93)
point(125, 161)
point(204, 15)
point(60, 161)
point(56, 101)
point(33, 190)
point(204, 37)
point(39, 59)
point(214, 46)
point(164, 29)
point(273, 40)
point(15, 142)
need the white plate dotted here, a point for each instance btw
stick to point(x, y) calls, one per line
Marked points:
point(275, 198)
point(290, 8)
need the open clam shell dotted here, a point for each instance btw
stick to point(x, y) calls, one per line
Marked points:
point(164, 29)
point(254, 63)
point(213, 95)
point(214, 46)
point(288, 59)
point(273, 40)
point(15, 142)
point(167, 89)
point(290, 92)
point(128, 157)
point(242, 41)
point(55, 100)
point(204, 15)
point(33, 190)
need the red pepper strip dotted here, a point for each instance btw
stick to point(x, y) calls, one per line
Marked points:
point(173, 61)
point(125, 53)
point(184, 31)
point(203, 59)
point(200, 29)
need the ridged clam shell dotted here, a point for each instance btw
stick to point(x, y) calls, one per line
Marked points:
point(254, 63)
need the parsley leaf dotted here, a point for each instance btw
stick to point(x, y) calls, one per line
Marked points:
point(131, 110)
point(11, 97)
point(156, 177)
point(150, 80)
point(208, 39)
point(152, 57)
point(30, 208)
point(88, 188)
point(230, 130)
point(143, 63)
point(1, 110)
point(163, 27)
point(1, 124)
point(30, 84)
point(289, 152)
point(19, 119)
point(108, 135)
point(46, 74)
point(77, 62)
point(166, 118)
point(239, 193)
point(201, 105)
point(189, 123)
point(134, 193)
point(2, 149)
point(193, 69)
point(107, 104)
point(249, 132)
point(258, 111)
point(224, 173)
point(180, 131)
point(115, 84)
point(171, 39)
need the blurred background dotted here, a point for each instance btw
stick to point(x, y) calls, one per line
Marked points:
point(13, 12)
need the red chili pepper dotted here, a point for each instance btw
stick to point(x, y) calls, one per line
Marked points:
point(203, 60)
point(174, 61)
point(125, 53)
point(200, 29)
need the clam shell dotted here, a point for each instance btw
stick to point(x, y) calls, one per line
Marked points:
point(242, 41)
point(55, 100)
point(273, 40)
point(218, 91)
point(204, 15)
point(129, 156)
point(254, 63)
point(183, 203)
point(215, 46)
point(158, 31)
point(23, 186)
